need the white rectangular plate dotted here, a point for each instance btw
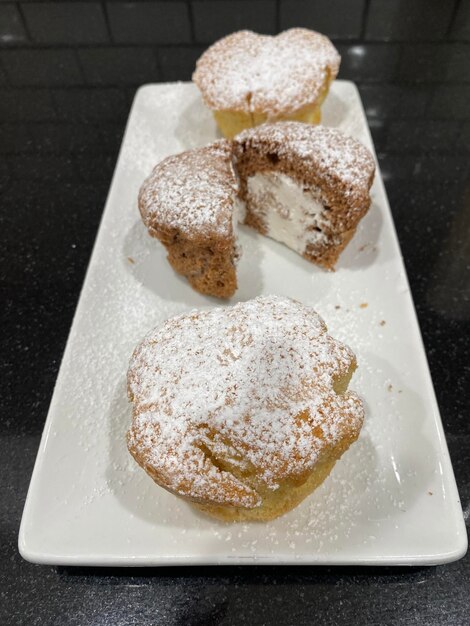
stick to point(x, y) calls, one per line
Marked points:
point(391, 499)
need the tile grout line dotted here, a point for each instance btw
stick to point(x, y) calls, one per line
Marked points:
point(107, 22)
point(452, 20)
point(365, 14)
point(192, 28)
point(20, 8)
point(355, 41)
point(124, 85)
point(80, 67)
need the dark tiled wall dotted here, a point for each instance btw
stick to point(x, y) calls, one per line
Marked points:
point(410, 58)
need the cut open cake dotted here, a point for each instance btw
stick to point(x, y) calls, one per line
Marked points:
point(305, 186)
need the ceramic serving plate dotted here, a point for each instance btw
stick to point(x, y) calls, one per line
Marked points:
point(391, 499)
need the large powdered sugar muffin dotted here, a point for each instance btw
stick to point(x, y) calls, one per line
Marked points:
point(242, 411)
point(247, 79)
point(305, 186)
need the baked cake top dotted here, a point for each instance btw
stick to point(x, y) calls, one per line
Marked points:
point(278, 75)
point(243, 389)
point(316, 154)
point(191, 193)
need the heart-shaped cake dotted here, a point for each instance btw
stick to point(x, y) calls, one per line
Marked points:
point(247, 79)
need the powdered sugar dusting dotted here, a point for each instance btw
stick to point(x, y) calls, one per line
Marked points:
point(236, 382)
point(327, 151)
point(193, 192)
point(257, 73)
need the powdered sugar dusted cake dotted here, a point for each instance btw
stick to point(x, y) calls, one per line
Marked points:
point(190, 204)
point(247, 79)
point(305, 186)
point(242, 410)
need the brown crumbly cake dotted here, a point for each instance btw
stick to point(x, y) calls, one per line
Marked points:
point(242, 411)
point(189, 203)
point(247, 79)
point(306, 186)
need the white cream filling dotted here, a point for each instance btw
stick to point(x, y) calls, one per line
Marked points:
point(238, 216)
point(290, 214)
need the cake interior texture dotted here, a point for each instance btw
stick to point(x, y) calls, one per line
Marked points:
point(210, 269)
point(292, 203)
point(209, 265)
point(289, 212)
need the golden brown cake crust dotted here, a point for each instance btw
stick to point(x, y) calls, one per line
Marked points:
point(260, 74)
point(233, 406)
point(191, 194)
point(188, 203)
point(336, 169)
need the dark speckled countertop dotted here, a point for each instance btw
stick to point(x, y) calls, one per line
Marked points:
point(68, 73)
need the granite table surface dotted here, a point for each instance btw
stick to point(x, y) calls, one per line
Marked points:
point(68, 74)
